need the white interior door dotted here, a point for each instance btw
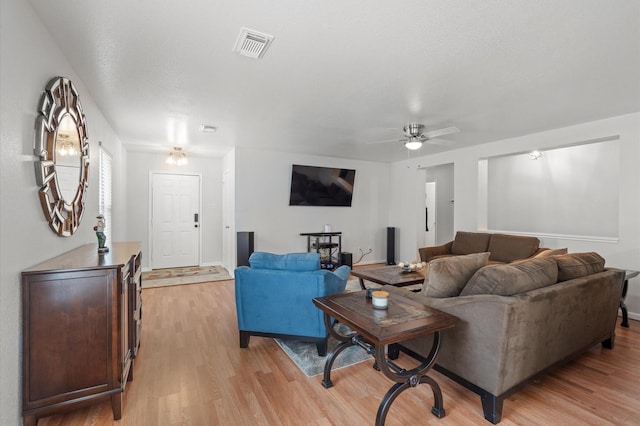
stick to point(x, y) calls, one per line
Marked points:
point(430, 214)
point(175, 220)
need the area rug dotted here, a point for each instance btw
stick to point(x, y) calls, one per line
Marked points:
point(305, 355)
point(188, 275)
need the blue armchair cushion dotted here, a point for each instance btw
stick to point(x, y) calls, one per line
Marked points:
point(285, 262)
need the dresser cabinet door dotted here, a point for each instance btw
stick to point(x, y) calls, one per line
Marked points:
point(69, 335)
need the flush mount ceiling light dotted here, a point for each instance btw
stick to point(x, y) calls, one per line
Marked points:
point(177, 156)
point(534, 155)
point(204, 128)
point(252, 44)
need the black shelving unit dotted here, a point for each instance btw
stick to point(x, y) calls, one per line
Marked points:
point(324, 243)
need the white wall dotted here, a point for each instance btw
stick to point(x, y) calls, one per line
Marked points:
point(263, 183)
point(29, 60)
point(570, 191)
point(140, 165)
point(470, 204)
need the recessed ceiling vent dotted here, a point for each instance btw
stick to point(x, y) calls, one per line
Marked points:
point(252, 43)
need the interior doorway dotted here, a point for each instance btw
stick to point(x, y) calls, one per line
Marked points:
point(437, 212)
point(175, 220)
point(430, 212)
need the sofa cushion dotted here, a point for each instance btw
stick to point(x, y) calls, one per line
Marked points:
point(576, 265)
point(515, 278)
point(470, 242)
point(447, 276)
point(287, 262)
point(552, 252)
point(507, 248)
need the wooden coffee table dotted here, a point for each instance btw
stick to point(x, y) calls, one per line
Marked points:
point(389, 275)
point(376, 329)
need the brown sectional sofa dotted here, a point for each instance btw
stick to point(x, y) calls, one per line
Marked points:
point(504, 248)
point(518, 320)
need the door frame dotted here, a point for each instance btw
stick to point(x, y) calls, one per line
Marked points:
point(150, 211)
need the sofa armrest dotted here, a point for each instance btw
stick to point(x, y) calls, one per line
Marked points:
point(501, 341)
point(427, 253)
point(475, 348)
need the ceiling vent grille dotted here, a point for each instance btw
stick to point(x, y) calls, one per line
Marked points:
point(252, 43)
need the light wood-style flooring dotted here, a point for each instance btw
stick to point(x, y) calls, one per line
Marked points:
point(191, 371)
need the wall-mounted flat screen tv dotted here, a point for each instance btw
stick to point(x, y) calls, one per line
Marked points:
point(321, 186)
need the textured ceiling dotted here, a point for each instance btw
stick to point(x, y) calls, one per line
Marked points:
point(342, 74)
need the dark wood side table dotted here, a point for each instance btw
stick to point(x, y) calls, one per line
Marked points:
point(389, 275)
point(376, 329)
point(628, 274)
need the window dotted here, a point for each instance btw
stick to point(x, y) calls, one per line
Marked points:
point(104, 197)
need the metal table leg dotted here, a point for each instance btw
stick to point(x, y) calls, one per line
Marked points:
point(409, 378)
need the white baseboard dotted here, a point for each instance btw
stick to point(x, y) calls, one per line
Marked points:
point(147, 269)
point(633, 316)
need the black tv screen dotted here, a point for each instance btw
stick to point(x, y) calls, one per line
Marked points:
point(321, 186)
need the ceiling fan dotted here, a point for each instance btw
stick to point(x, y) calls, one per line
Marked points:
point(415, 136)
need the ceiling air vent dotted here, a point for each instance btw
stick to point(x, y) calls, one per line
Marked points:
point(252, 43)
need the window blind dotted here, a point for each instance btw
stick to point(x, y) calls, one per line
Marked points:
point(104, 190)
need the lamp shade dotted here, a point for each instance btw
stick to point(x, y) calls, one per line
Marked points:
point(413, 143)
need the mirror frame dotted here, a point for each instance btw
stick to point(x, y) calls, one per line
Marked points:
point(60, 98)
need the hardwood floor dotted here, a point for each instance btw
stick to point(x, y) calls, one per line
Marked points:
point(190, 370)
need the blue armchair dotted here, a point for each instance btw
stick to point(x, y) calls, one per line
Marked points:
point(274, 297)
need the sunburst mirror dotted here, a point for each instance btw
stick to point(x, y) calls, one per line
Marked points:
point(62, 146)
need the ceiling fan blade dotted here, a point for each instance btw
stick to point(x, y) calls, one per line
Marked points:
point(441, 132)
point(443, 142)
point(389, 140)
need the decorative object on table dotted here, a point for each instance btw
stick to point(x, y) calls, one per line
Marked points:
point(102, 238)
point(62, 148)
point(412, 266)
point(380, 299)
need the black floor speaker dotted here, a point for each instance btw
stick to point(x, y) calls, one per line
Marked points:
point(244, 248)
point(391, 245)
point(346, 258)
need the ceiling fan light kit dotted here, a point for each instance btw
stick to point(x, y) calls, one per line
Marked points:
point(415, 136)
point(413, 143)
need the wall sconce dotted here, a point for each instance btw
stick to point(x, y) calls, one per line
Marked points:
point(534, 155)
point(177, 156)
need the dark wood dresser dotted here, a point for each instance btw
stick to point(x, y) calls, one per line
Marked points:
point(81, 322)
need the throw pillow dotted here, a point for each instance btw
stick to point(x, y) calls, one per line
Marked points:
point(470, 242)
point(448, 275)
point(576, 265)
point(552, 252)
point(507, 248)
point(515, 278)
